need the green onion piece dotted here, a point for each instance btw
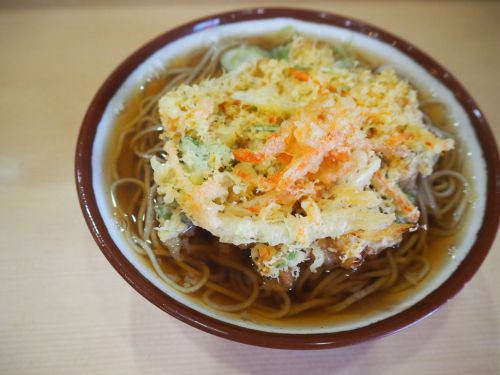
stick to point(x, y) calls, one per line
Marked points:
point(234, 57)
point(163, 212)
point(280, 263)
point(266, 128)
point(281, 52)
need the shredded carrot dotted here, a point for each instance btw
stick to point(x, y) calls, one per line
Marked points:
point(245, 155)
point(301, 76)
point(255, 209)
point(338, 156)
point(282, 197)
point(284, 158)
point(296, 169)
point(401, 201)
point(241, 174)
point(334, 167)
point(332, 88)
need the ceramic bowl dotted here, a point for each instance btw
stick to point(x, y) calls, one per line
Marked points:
point(408, 61)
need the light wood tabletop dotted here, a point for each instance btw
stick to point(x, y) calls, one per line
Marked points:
point(64, 310)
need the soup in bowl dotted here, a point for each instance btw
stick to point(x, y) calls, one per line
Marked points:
point(288, 178)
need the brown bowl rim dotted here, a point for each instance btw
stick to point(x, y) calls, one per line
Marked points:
point(466, 269)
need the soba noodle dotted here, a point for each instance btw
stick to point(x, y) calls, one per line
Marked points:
point(223, 275)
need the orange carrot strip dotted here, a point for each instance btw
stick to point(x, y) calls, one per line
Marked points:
point(403, 204)
point(301, 76)
point(245, 155)
point(338, 156)
point(284, 158)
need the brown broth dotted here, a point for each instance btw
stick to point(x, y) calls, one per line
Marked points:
point(439, 248)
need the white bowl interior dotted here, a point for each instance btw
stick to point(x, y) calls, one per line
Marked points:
point(404, 65)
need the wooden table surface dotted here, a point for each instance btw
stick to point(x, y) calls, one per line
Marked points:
point(64, 310)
